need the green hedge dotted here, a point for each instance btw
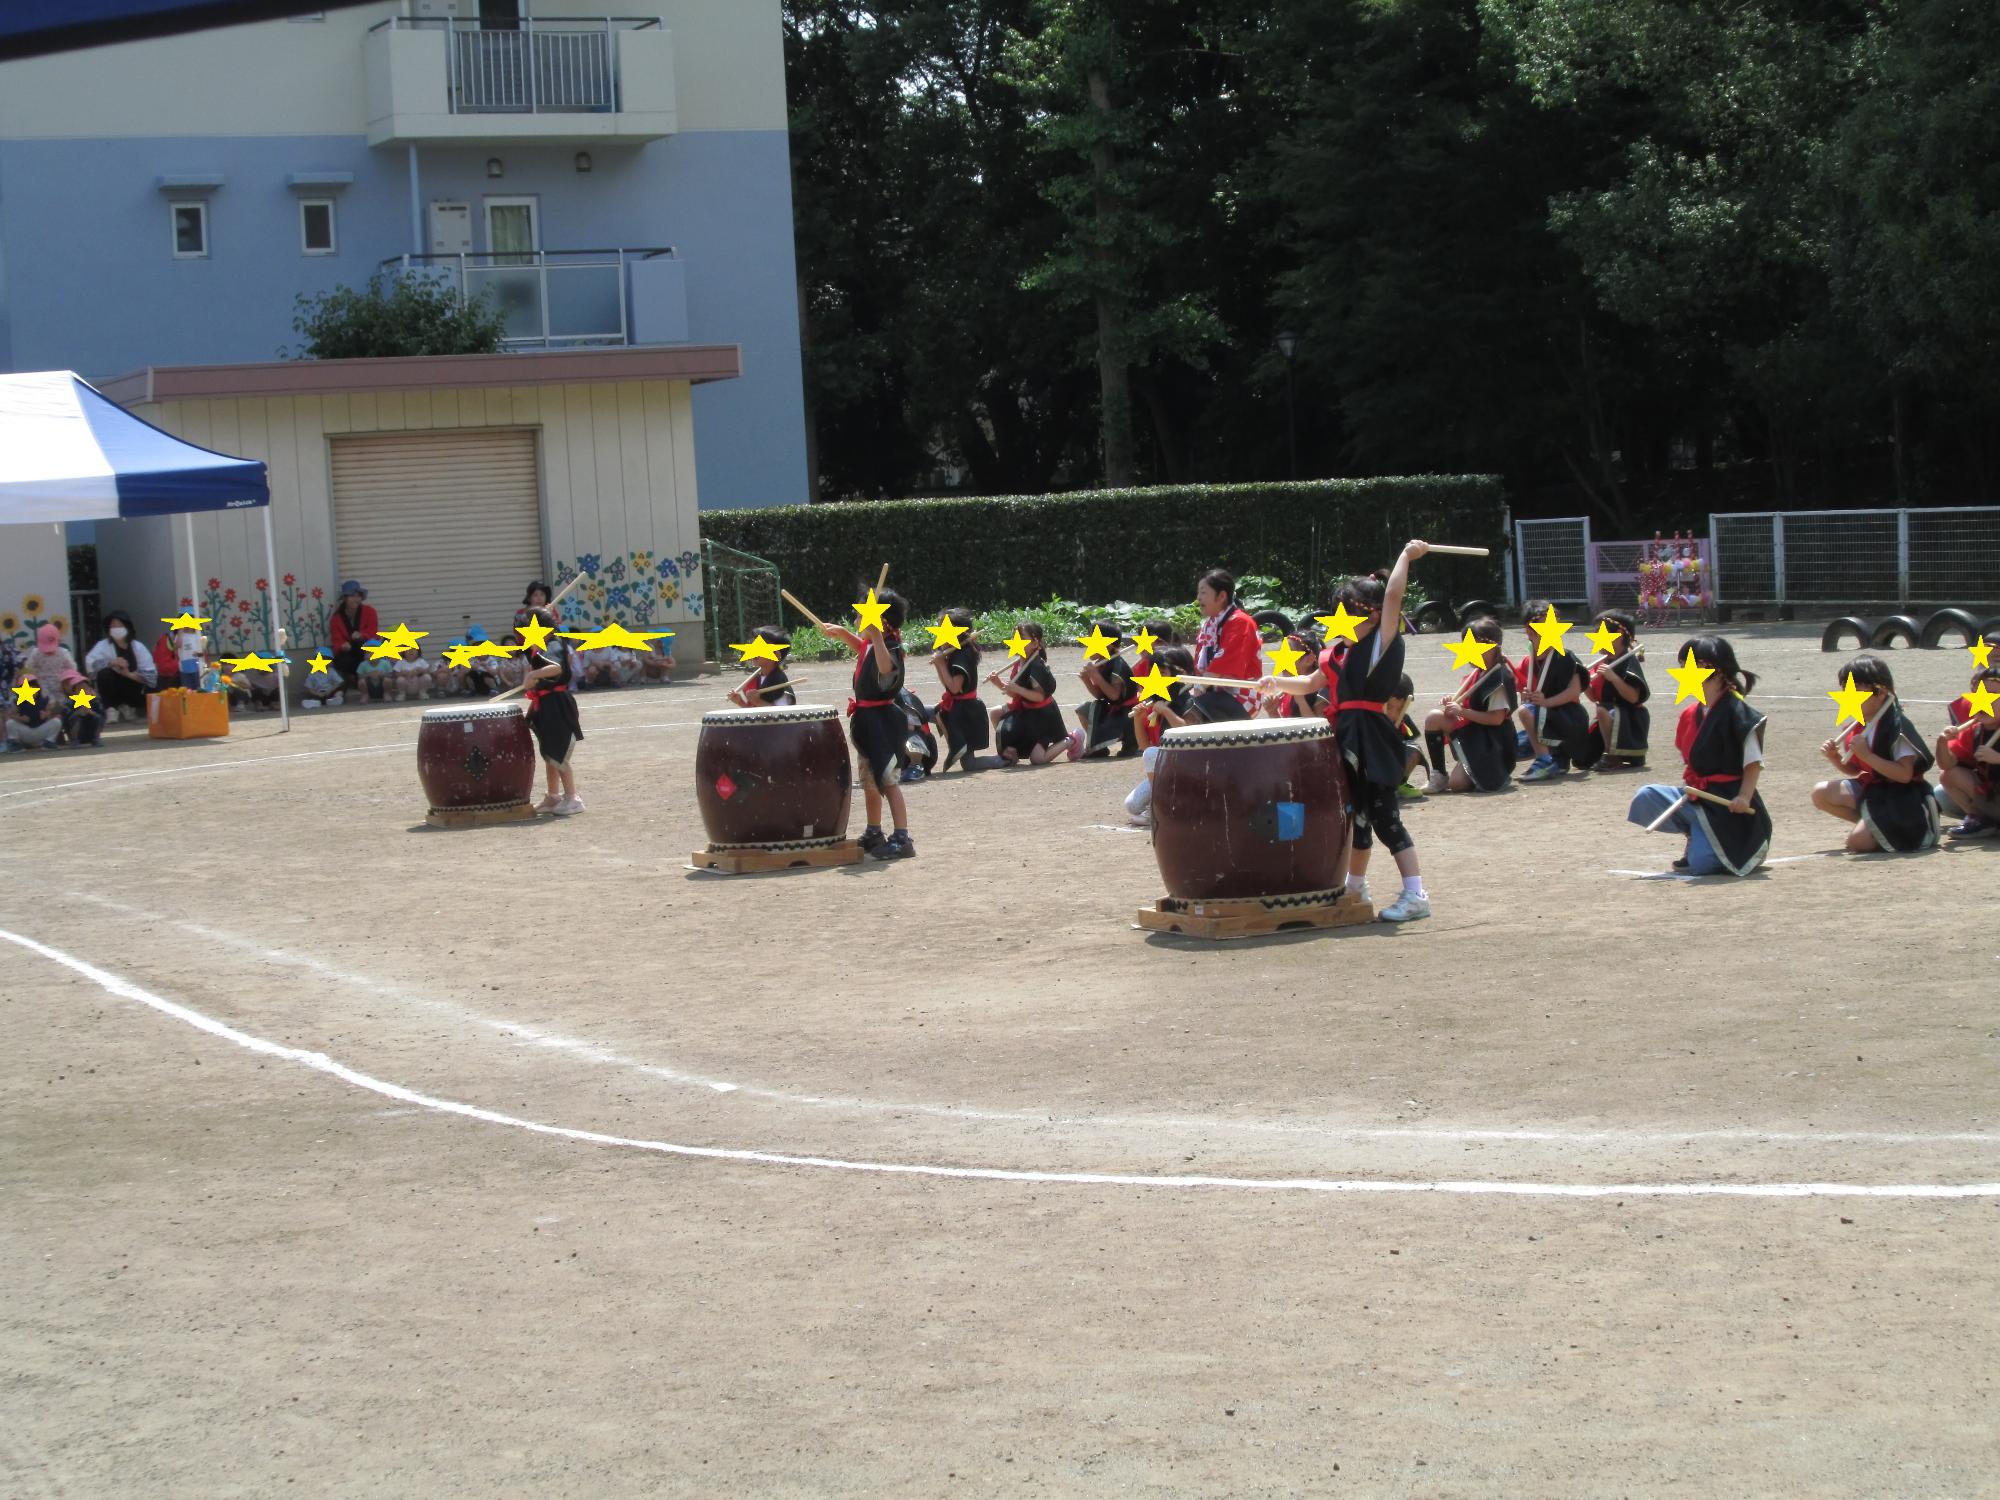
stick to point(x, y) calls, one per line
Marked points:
point(988, 551)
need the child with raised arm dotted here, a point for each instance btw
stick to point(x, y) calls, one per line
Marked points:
point(875, 724)
point(1721, 741)
point(1882, 761)
point(1365, 682)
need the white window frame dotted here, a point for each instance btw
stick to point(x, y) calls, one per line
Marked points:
point(332, 246)
point(174, 207)
point(529, 201)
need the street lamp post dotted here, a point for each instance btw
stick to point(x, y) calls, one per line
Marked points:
point(1288, 345)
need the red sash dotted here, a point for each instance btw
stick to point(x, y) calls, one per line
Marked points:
point(951, 700)
point(854, 704)
point(1685, 734)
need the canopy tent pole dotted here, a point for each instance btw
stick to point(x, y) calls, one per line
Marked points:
point(194, 578)
point(278, 644)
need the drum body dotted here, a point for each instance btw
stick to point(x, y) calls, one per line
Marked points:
point(773, 778)
point(477, 758)
point(1250, 809)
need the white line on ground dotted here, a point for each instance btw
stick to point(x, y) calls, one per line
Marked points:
point(591, 1052)
point(206, 765)
point(319, 1062)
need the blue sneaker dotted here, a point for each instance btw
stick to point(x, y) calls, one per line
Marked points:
point(1544, 769)
point(1523, 746)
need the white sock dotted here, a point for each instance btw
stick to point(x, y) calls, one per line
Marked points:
point(1413, 885)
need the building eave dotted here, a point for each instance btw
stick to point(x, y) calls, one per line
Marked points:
point(695, 363)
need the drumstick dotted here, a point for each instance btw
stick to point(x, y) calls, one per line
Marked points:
point(882, 581)
point(1217, 682)
point(811, 618)
point(1661, 821)
point(1442, 549)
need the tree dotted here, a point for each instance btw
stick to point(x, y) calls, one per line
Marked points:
point(397, 315)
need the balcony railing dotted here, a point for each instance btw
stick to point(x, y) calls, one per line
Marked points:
point(544, 67)
point(550, 299)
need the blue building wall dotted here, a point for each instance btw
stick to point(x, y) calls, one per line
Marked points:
point(89, 283)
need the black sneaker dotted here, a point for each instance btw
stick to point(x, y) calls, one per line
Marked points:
point(897, 846)
point(871, 840)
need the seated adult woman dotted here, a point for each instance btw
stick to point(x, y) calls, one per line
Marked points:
point(1228, 644)
point(124, 673)
point(353, 625)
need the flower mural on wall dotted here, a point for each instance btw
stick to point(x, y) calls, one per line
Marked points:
point(19, 627)
point(636, 588)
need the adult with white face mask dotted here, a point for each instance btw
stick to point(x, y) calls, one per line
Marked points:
point(122, 670)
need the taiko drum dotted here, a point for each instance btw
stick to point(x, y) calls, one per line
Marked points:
point(773, 778)
point(478, 758)
point(1250, 809)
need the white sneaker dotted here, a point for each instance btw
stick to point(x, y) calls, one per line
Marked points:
point(1407, 908)
point(549, 803)
point(569, 807)
point(1438, 785)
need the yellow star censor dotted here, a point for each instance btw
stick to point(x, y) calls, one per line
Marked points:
point(1688, 678)
point(615, 634)
point(1286, 657)
point(1340, 625)
point(481, 648)
point(1097, 645)
point(1982, 653)
point(82, 698)
point(945, 635)
point(1145, 641)
point(757, 650)
point(404, 638)
point(533, 633)
point(1155, 684)
point(454, 656)
point(1467, 652)
point(252, 663)
point(1850, 700)
point(319, 661)
point(870, 613)
point(185, 621)
point(1549, 632)
point(26, 692)
point(1018, 645)
point(1604, 639)
point(1980, 700)
point(386, 649)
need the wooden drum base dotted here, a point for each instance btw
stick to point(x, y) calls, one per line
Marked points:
point(445, 817)
point(761, 861)
point(1257, 917)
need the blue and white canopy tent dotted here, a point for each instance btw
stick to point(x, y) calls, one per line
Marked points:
point(67, 453)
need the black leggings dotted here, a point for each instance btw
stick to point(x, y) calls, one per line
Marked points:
point(1378, 810)
point(119, 691)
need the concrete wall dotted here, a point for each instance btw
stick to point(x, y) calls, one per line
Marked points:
point(87, 281)
point(618, 485)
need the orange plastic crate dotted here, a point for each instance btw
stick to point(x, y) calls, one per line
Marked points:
point(178, 714)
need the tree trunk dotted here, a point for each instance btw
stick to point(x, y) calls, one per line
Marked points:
point(1899, 402)
point(812, 427)
point(1171, 461)
point(1114, 374)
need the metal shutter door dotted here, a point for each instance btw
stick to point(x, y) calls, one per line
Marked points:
point(444, 529)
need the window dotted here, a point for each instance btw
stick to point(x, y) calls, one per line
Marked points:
point(190, 224)
point(316, 226)
point(513, 231)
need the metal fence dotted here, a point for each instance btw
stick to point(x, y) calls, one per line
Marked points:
point(742, 594)
point(1848, 559)
point(1554, 559)
point(535, 67)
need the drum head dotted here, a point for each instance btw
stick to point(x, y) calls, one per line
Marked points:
point(1246, 732)
point(455, 713)
point(803, 713)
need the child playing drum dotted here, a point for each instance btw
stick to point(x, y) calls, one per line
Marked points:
point(549, 673)
point(875, 724)
point(1362, 686)
point(770, 688)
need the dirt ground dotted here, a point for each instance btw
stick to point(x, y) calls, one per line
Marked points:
point(227, 1271)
